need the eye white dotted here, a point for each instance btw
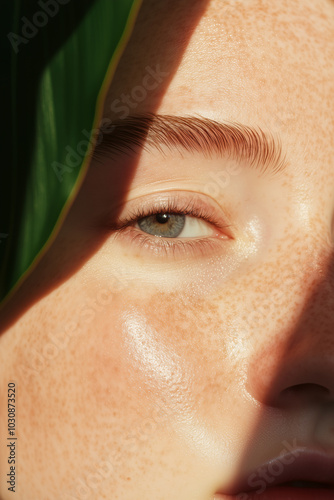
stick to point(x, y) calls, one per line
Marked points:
point(196, 228)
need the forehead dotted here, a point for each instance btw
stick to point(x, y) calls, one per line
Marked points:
point(266, 62)
point(258, 62)
point(250, 49)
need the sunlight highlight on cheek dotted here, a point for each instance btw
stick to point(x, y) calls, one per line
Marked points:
point(153, 360)
point(171, 379)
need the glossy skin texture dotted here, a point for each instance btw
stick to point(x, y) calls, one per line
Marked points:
point(182, 371)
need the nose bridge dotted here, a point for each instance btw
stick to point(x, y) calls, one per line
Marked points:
point(296, 354)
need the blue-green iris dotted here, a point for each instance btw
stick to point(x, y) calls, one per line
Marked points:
point(163, 224)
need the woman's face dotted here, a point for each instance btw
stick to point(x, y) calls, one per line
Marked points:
point(179, 364)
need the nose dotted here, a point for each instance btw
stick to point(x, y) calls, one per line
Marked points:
point(295, 366)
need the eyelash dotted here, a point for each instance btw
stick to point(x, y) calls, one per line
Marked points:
point(174, 246)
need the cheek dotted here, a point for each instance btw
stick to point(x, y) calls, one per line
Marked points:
point(172, 357)
point(77, 398)
point(131, 377)
point(134, 363)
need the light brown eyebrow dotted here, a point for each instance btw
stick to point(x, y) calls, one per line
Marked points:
point(243, 143)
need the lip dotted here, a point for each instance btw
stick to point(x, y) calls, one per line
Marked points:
point(301, 464)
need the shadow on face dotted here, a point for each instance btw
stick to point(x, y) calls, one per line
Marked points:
point(144, 72)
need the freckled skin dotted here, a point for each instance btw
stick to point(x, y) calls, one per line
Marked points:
point(151, 377)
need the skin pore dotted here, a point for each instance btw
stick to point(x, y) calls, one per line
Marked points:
point(162, 370)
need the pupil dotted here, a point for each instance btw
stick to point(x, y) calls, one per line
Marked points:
point(162, 218)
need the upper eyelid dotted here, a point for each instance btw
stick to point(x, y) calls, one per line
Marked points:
point(179, 201)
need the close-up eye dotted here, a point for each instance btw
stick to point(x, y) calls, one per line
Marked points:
point(172, 222)
point(174, 225)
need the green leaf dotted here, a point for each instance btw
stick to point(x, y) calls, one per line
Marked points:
point(56, 58)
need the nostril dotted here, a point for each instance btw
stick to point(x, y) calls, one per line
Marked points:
point(302, 388)
point(305, 376)
point(305, 392)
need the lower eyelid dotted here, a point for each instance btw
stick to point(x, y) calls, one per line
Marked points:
point(174, 248)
